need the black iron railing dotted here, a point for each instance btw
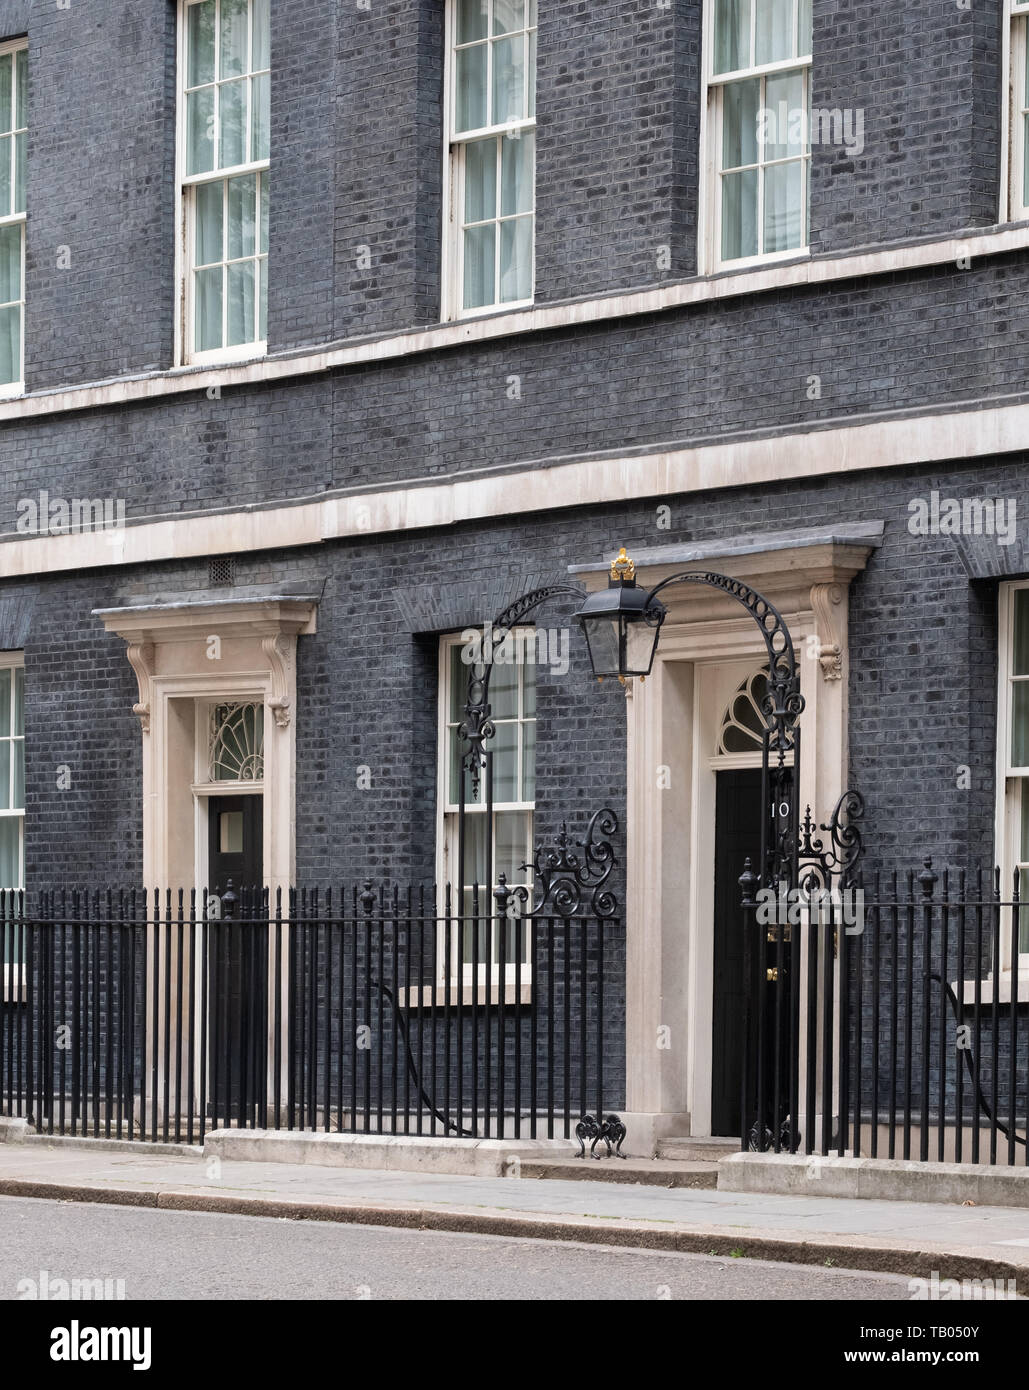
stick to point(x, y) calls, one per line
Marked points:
point(902, 1016)
point(146, 1016)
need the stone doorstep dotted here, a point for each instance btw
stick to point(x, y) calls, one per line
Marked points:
point(877, 1179)
point(649, 1172)
point(410, 1153)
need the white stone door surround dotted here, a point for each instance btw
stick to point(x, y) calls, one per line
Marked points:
point(670, 736)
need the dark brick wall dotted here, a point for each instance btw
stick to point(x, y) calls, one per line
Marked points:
point(388, 192)
point(617, 143)
point(930, 90)
point(100, 183)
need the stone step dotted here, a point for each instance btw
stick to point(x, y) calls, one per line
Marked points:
point(694, 1150)
point(650, 1172)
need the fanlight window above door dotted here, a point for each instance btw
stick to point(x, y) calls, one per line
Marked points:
point(237, 743)
point(743, 723)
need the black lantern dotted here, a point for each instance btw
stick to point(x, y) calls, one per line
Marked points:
point(621, 624)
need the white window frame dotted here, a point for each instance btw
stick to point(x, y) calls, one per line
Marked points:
point(12, 389)
point(452, 269)
point(1014, 197)
point(185, 326)
point(14, 978)
point(709, 258)
point(446, 846)
point(1009, 778)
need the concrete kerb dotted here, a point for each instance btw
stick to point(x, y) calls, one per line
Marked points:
point(846, 1252)
point(879, 1179)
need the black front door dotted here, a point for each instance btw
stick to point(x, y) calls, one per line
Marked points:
point(237, 961)
point(234, 847)
point(737, 838)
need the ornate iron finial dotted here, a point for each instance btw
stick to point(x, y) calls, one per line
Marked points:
point(229, 901)
point(927, 878)
point(367, 898)
point(748, 882)
point(623, 568)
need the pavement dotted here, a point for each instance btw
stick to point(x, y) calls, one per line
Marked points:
point(909, 1238)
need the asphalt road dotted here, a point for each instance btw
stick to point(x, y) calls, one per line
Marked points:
point(194, 1255)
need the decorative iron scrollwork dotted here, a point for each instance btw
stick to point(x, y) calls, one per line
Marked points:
point(610, 1129)
point(477, 727)
point(572, 885)
point(833, 863)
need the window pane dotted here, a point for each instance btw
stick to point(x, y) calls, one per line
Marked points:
point(200, 131)
point(732, 35)
point(458, 682)
point(773, 31)
point(10, 344)
point(474, 850)
point(10, 853)
point(208, 309)
point(262, 326)
point(516, 260)
point(479, 252)
point(241, 303)
point(232, 122)
point(529, 761)
point(1025, 162)
point(18, 770)
point(508, 80)
point(529, 691)
point(471, 20)
point(471, 88)
point(505, 762)
point(260, 146)
point(5, 775)
point(740, 102)
point(783, 206)
point(6, 91)
point(503, 685)
point(10, 265)
point(261, 36)
point(516, 169)
point(480, 181)
point(201, 44)
point(1020, 661)
point(804, 28)
point(19, 172)
point(782, 141)
point(511, 847)
point(208, 235)
point(242, 211)
point(508, 15)
point(21, 82)
point(233, 38)
point(5, 703)
point(1020, 724)
point(19, 701)
point(264, 212)
point(739, 215)
point(458, 749)
point(6, 168)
